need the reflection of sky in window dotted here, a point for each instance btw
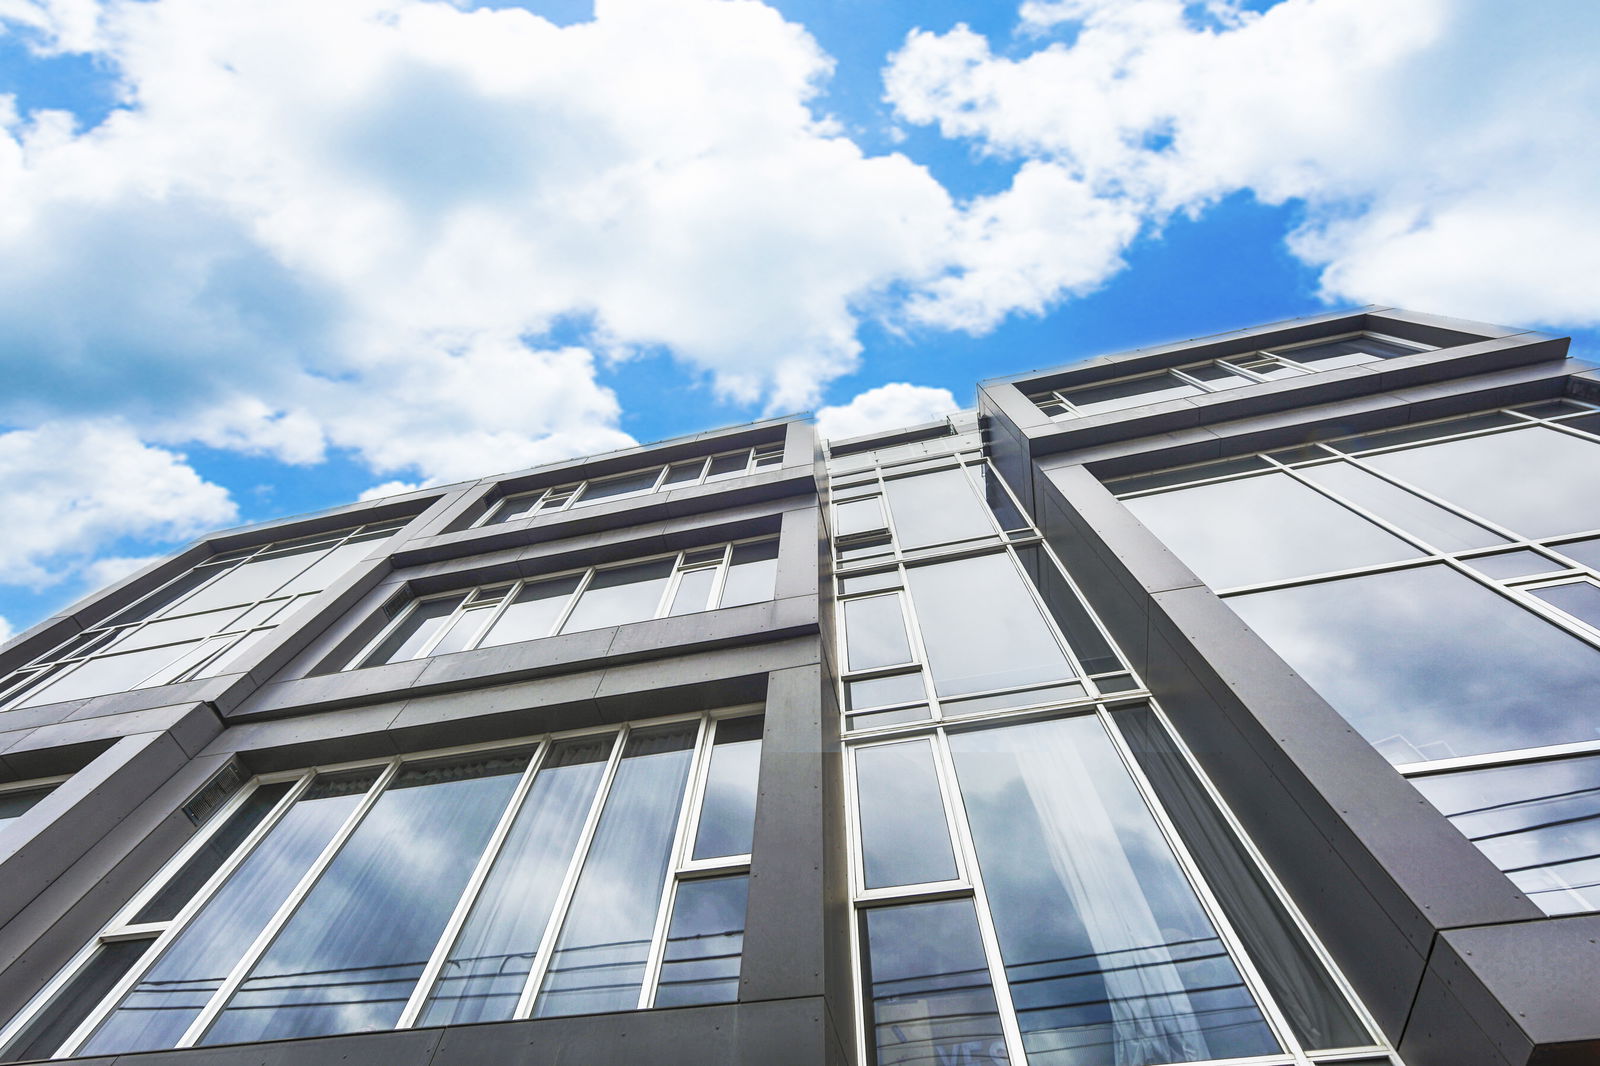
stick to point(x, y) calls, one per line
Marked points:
point(1429, 664)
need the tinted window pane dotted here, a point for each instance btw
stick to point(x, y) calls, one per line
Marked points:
point(981, 627)
point(1586, 552)
point(694, 590)
point(883, 691)
point(1428, 664)
point(348, 958)
point(1539, 822)
point(172, 993)
point(1091, 648)
point(414, 631)
point(726, 466)
point(67, 1009)
point(683, 473)
point(256, 579)
point(858, 516)
point(876, 632)
point(752, 574)
point(463, 631)
point(620, 595)
point(1263, 528)
point(1410, 512)
point(1348, 352)
point(1538, 481)
point(326, 570)
point(488, 965)
point(533, 613)
point(1519, 563)
point(599, 960)
point(16, 803)
point(514, 507)
point(209, 859)
point(1580, 599)
point(904, 839)
point(1219, 376)
point(704, 942)
point(1110, 957)
point(936, 508)
point(1098, 399)
point(114, 673)
point(728, 812)
point(616, 487)
point(929, 999)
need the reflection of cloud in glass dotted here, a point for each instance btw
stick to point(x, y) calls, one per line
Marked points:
point(1427, 663)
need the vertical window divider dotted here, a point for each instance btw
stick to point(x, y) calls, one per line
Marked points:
point(720, 581)
point(181, 920)
point(569, 883)
point(688, 806)
point(444, 627)
point(495, 612)
point(285, 911)
point(469, 895)
point(664, 601)
point(572, 600)
point(1209, 903)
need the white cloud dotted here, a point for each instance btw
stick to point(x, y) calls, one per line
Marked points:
point(6, 630)
point(1444, 151)
point(388, 488)
point(71, 487)
point(885, 407)
point(113, 568)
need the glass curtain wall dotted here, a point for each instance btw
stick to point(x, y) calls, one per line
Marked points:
point(602, 871)
point(1040, 874)
point(1437, 584)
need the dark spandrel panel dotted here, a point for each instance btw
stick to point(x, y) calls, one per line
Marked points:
point(1580, 599)
point(182, 886)
point(875, 632)
point(408, 639)
point(1266, 528)
point(1318, 1012)
point(171, 994)
point(1109, 954)
point(351, 952)
point(533, 613)
point(928, 994)
point(1519, 563)
point(620, 595)
point(705, 942)
point(936, 508)
point(1538, 481)
point(1550, 409)
point(1539, 822)
point(67, 1009)
point(981, 627)
point(1121, 395)
point(1583, 552)
point(488, 965)
point(1183, 475)
point(1587, 423)
point(1436, 526)
point(1090, 646)
point(993, 489)
point(728, 809)
point(1389, 438)
point(904, 838)
point(1427, 663)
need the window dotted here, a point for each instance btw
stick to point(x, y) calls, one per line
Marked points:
point(700, 579)
point(1435, 583)
point(594, 871)
point(19, 797)
point(636, 483)
point(1220, 375)
point(197, 625)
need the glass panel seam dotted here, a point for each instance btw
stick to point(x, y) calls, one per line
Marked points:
point(680, 844)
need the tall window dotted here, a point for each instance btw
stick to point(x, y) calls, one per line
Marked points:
point(598, 871)
point(198, 624)
point(1437, 584)
point(700, 579)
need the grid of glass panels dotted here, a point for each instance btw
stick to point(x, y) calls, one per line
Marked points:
point(701, 471)
point(686, 582)
point(1438, 585)
point(602, 870)
point(198, 624)
point(949, 602)
point(1221, 375)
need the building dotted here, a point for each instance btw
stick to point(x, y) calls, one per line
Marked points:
point(1233, 700)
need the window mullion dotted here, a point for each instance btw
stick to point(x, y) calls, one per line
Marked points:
point(669, 891)
point(718, 583)
point(444, 629)
point(496, 611)
point(664, 601)
point(469, 895)
point(572, 600)
point(558, 914)
point(286, 910)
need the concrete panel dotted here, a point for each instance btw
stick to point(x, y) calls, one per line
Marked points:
point(415, 1047)
point(1529, 983)
point(311, 740)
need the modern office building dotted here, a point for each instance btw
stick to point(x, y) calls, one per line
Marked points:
point(1236, 700)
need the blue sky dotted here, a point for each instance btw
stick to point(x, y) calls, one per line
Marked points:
point(261, 258)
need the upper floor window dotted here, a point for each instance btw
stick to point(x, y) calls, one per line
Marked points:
point(699, 579)
point(19, 797)
point(1220, 375)
point(196, 625)
point(636, 483)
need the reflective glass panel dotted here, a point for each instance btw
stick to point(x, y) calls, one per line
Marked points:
point(876, 632)
point(1437, 527)
point(1585, 552)
point(704, 943)
point(1538, 481)
point(1519, 563)
point(170, 995)
point(1427, 663)
point(488, 965)
point(694, 590)
point(936, 508)
point(858, 516)
point(1265, 528)
point(463, 630)
point(728, 810)
point(182, 886)
point(349, 956)
point(1121, 395)
point(1580, 599)
point(111, 674)
point(683, 473)
point(752, 574)
point(929, 999)
point(1539, 822)
point(1110, 957)
point(256, 579)
point(1389, 438)
point(883, 691)
point(726, 466)
point(67, 1009)
point(1348, 352)
point(620, 595)
point(172, 630)
point(17, 802)
point(514, 507)
point(1219, 376)
point(613, 488)
point(533, 613)
point(981, 627)
point(904, 838)
point(599, 960)
point(408, 639)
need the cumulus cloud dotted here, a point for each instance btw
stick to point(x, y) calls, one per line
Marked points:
point(1437, 147)
point(389, 488)
point(885, 407)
